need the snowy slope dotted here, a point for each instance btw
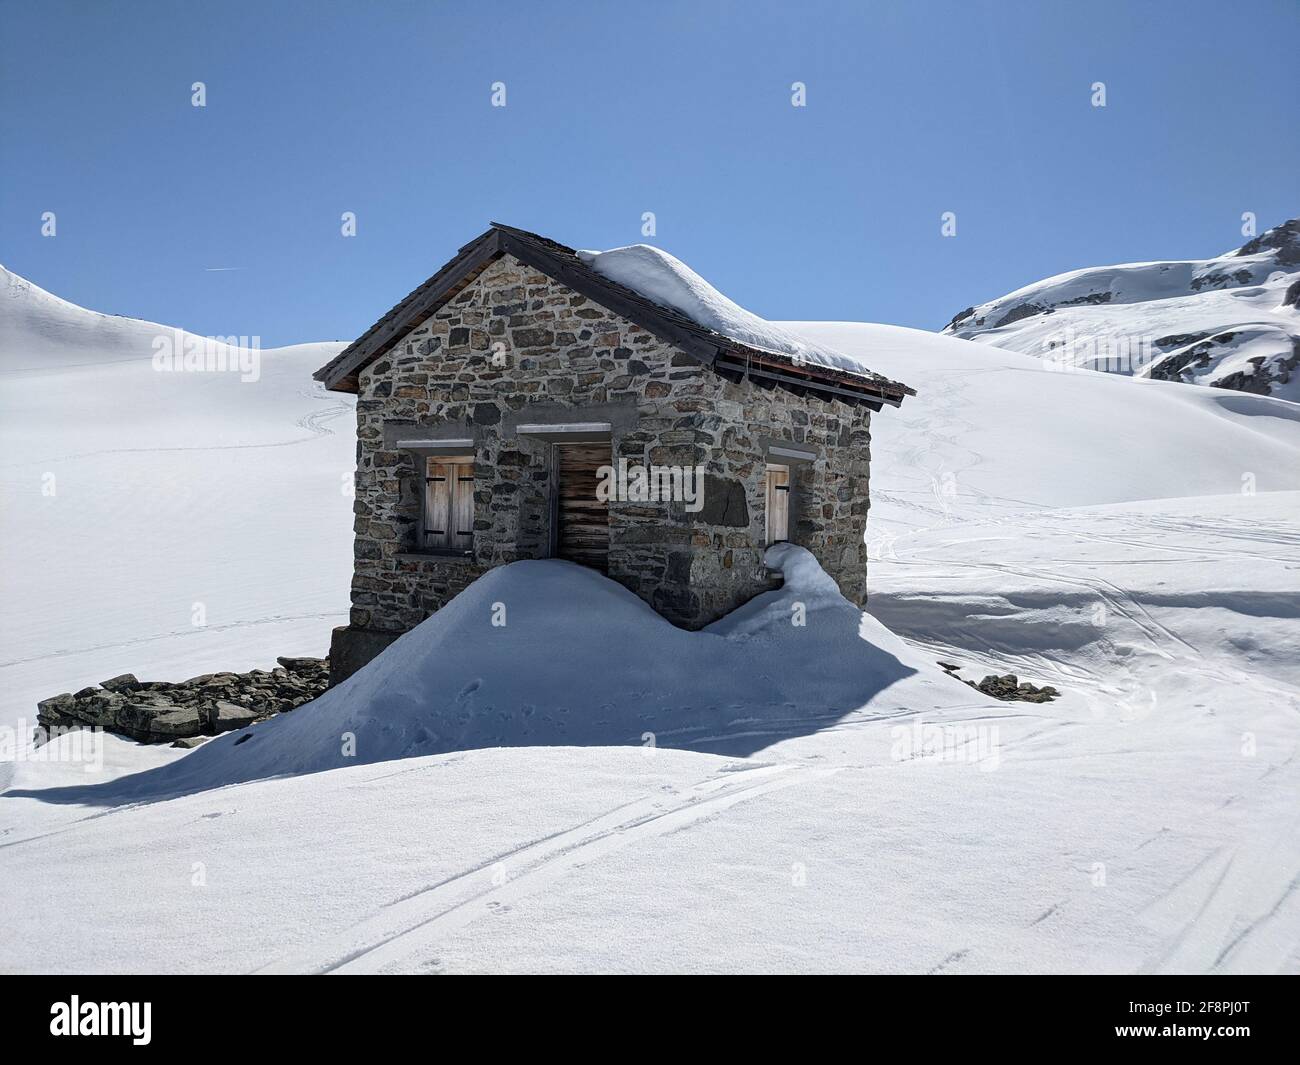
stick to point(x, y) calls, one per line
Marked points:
point(1135, 544)
point(991, 430)
point(1232, 321)
point(135, 502)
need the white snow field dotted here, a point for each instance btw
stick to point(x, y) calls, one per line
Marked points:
point(587, 788)
point(1231, 321)
point(136, 502)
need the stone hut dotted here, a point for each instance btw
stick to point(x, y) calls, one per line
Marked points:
point(521, 404)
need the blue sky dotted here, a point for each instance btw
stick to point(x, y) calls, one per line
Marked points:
point(226, 219)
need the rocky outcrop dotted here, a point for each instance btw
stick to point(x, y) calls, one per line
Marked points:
point(1262, 375)
point(1008, 687)
point(1283, 241)
point(1021, 311)
point(163, 712)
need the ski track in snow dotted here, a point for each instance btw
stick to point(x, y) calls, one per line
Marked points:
point(413, 926)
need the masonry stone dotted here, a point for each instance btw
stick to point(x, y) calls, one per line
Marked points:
point(560, 353)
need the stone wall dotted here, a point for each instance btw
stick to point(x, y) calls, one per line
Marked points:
point(516, 346)
point(829, 497)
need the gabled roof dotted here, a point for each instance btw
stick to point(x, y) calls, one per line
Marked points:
point(726, 356)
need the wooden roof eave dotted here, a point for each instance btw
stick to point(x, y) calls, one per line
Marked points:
point(845, 386)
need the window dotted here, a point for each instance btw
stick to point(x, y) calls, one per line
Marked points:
point(777, 494)
point(448, 504)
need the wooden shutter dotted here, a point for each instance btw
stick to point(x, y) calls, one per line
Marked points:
point(448, 503)
point(462, 510)
point(778, 503)
point(437, 505)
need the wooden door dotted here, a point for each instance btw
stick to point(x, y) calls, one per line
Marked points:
point(581, 520)
point(777, 485)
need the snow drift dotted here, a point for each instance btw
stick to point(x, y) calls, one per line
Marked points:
point(549, 653)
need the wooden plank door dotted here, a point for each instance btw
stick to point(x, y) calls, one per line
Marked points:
point(582, 520)
point(777, 485)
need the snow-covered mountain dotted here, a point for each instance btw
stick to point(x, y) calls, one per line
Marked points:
point(1232, 321)
point(1133, 544)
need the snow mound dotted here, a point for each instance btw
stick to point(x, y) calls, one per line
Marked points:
point(669, 282)
point(1230, 321)
point(549, 653)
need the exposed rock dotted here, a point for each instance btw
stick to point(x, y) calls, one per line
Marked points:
point(1285, 239)
point(1179, 340)
point(226, 716)
point(159, 711)
point(961, 316)
point(190, 742)
point(1008, 687)
point(183, 721)
point(1089, 298)
point(1022, 310)
point(302, 665)
point(1221, 279)
point(57, 704)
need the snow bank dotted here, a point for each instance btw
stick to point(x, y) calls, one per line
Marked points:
point(669, 282)
point(550, 653)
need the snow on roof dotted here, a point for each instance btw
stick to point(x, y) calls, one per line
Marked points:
point(668, 281)
point(653, 290)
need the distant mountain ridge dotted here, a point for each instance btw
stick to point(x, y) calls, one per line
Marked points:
point(1232, 321)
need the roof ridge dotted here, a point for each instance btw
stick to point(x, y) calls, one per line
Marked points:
point(562, 263)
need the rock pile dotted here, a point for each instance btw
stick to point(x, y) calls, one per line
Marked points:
point(1007, 687)
point(159, 711)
